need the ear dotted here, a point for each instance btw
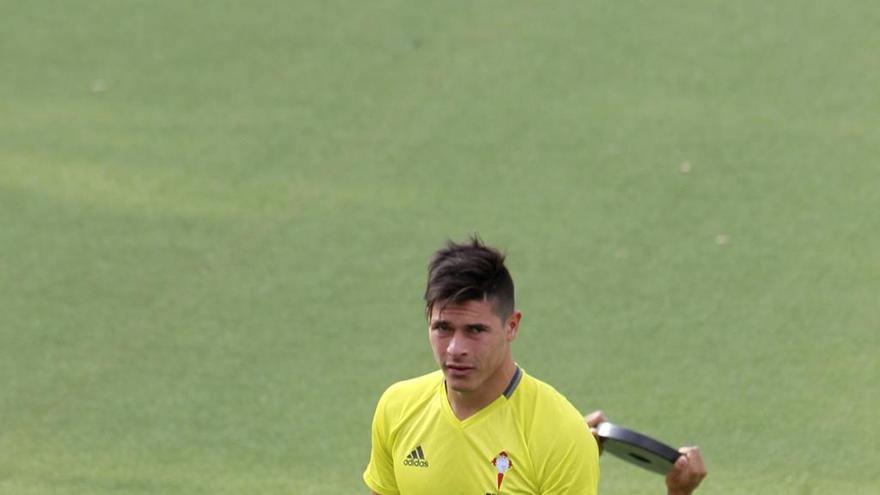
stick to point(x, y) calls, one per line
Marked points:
point(512, 326)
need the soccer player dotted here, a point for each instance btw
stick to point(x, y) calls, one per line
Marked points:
point(480, 424)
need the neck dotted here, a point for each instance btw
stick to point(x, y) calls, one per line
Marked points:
point(466, 404)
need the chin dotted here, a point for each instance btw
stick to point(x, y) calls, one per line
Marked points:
point(459, 385)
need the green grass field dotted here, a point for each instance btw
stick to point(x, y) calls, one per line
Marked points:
point(215, 218)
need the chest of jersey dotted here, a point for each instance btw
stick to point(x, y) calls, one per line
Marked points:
point(435, 453)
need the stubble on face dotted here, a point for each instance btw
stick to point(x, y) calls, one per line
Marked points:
point(471, 345)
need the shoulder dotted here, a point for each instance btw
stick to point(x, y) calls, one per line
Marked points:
point(406, 395)
point(564, 453)
point(546, 415)
point(538, 398)
point(414, 387)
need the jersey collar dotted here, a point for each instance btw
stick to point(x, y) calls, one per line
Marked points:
point(517, 376)
point(482, 413)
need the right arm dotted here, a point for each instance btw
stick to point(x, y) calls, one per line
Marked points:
point(379, 474)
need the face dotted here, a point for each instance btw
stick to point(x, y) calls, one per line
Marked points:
point(471, 343)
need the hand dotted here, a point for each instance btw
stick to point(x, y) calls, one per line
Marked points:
point(687, 472)
point(685, 475)
point(593, 419)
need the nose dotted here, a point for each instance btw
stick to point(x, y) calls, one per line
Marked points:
point(456, 346)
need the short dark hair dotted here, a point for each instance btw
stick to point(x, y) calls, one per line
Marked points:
point(470, 271)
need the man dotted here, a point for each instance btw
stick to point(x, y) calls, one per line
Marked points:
point(480, 425)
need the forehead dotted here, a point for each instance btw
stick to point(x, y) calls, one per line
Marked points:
point(468, 311)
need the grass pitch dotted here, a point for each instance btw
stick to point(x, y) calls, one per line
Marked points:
point(215, 219)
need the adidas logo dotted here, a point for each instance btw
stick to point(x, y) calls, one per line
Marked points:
point(416, 458)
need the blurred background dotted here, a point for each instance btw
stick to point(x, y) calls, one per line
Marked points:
point(215, 218)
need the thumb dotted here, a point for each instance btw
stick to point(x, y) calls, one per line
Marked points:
point(594, 418)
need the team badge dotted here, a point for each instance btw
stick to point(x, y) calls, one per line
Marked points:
point(502, 464)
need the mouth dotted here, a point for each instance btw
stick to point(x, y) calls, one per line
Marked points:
point(458, 370)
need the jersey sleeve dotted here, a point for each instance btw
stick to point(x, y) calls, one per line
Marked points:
point(568, 456)
point(379, 475)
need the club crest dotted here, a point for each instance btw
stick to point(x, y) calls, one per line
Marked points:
point(502, 464)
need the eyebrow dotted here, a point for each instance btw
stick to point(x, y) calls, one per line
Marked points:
point(469, 326)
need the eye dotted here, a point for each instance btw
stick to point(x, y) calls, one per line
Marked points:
point(476, 329)
point(440, 326)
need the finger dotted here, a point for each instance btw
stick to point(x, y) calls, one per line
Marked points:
point(679, 468)
point(594, 418)
point(681, 462)
point(695, 461)
point(675, 477)
point(682, 478)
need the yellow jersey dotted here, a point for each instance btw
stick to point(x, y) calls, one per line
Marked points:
point(530, 440)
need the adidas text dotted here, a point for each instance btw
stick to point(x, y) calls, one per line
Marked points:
point(415, 462)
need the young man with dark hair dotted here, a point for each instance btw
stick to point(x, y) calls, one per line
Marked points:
point(479, 425)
